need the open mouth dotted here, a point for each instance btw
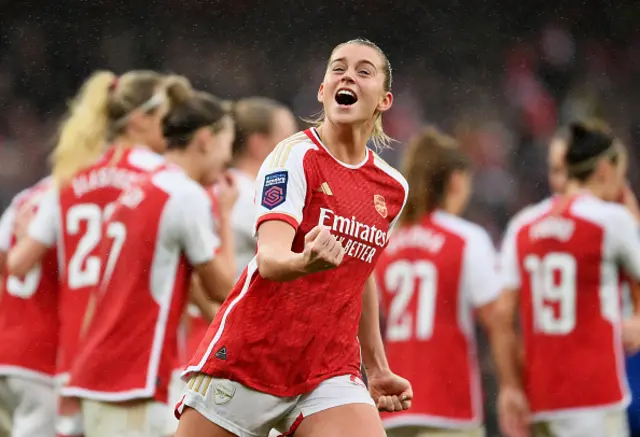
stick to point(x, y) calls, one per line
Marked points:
point(346, 97)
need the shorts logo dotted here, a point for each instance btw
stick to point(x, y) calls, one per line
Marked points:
point(380, 204)
point(222, 353)
point(223, 393)
point(353, 379)
point(274, 191)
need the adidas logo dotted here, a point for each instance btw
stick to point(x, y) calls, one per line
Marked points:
point(222, 353)
point(324, 188)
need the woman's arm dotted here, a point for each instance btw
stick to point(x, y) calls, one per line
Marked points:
point(373, 355)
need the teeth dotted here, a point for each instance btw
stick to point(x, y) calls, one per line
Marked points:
point(347, 93)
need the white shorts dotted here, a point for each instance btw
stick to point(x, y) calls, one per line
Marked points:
point(29, 404)
point(142, 419)
point(588, 423)
point(176, 387)
point(249, 413)
point(71, 423)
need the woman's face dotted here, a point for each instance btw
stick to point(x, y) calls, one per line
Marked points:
point(217, 148)
point(353, 89)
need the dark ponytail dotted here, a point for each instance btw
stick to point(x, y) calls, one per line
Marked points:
point(201, 110)
point(588, 144)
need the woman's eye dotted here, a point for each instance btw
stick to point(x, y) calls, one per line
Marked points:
point(338, 69)
point(365, 72)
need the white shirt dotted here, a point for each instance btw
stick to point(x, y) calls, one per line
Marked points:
point(242, 220)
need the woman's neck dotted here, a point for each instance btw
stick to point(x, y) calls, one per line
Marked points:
point(248, 165)
point(128, 141)
point(574, 188)
point(347, 143)
point(181, 159)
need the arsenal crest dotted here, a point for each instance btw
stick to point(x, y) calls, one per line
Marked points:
point(380, 204)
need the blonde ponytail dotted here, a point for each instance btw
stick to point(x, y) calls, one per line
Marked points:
point(81, 136)
point(379, 138)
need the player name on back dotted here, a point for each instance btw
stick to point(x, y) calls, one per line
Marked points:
point(558, 228)
point(365, 235)
point(418, 237)
point(103, 177)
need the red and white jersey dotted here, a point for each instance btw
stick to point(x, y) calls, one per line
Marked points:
point(196, 326)
point(565, 257)
point(285, 338)
point(159, 230)
point(28, 306)
point(431, 277)
point(72, 217)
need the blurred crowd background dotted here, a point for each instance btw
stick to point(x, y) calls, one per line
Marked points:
point(501, 75)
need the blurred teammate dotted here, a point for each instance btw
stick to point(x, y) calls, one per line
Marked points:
point(163, 229)
point(28, 329)
point(261, 123)
point(126, 110)
point(437, 269)
point(561, 261)
point(223, 194)
point(285, 342)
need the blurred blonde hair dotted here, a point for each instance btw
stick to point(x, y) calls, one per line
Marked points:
point(99, 113)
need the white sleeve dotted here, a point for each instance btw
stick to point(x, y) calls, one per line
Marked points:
point(6, 227)
point(195, 226)
point(242, 217)
point(508, 263)
point(480, 269)
point(281, 187)
point(45, 225)
point(626, 237)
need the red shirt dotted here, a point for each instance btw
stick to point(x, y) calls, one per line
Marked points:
point(566, 262)
point(28, 306)
point(285, 338)
point(161, 229)
point(72, 218)
point(431, 277)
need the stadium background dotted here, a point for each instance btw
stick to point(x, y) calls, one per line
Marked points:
point(500, 75)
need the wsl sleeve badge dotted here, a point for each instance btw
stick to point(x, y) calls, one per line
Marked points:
point(274, 191)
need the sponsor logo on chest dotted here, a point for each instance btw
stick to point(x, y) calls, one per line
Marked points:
point(360, 240)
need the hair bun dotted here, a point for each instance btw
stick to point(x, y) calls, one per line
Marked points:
point(578, 131)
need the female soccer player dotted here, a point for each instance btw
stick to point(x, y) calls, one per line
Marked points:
point(562, 260)
point(127, 111)
point(166, 227)
point(284, 350)
point(438, 269)
point(28, 329)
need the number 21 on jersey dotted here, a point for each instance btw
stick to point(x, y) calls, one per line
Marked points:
point(84, 267)
point(553, 292)
point(406, 279)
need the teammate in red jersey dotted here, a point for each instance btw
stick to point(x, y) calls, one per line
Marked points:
point(562, 259)
point(436, 270)
point(28, 329)
point(128, 110)
point(283, 350)
point(165, 230)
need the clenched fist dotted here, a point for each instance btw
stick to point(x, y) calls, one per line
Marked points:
point(321, 250)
